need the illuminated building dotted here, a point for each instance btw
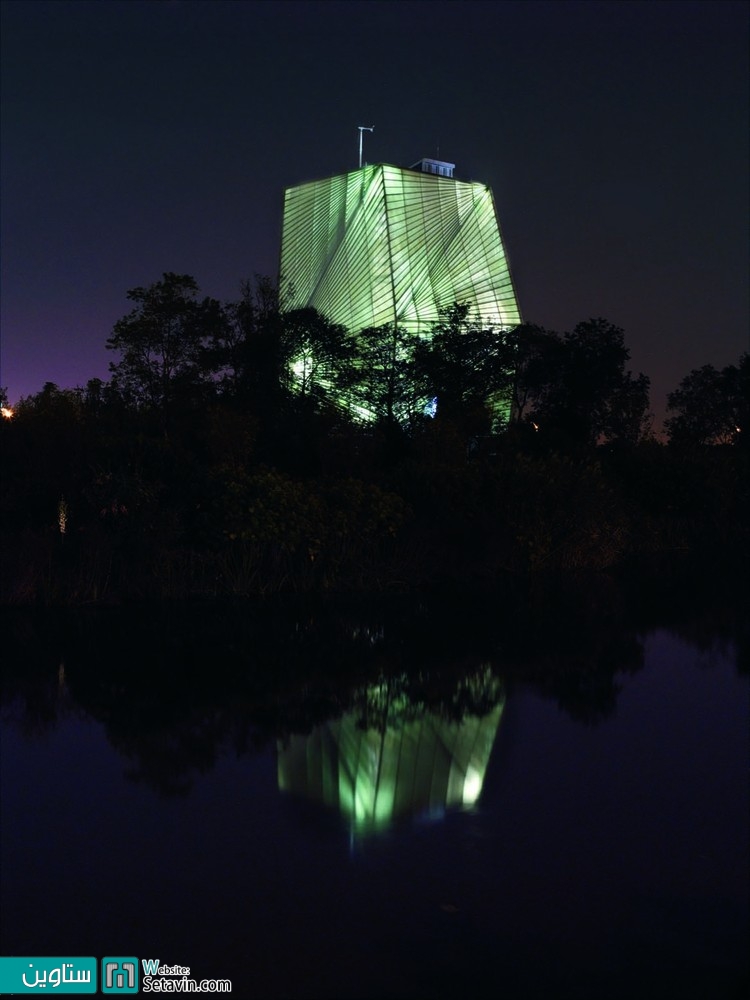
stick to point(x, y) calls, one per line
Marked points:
point(385, 244)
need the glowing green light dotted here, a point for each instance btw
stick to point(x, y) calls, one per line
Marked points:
point(413, 767)
point(388, 245)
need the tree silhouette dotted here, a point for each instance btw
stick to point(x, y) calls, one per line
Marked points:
point(711, 406)
point(588, 396)
point(467, 367)
point(387, 389)
point(160, 341)
point(538, 357)
point(245, 352)
point(320, 354)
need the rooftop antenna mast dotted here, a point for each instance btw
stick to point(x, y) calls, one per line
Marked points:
point(363, 128)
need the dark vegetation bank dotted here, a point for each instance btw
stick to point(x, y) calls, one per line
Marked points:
point(243, 450)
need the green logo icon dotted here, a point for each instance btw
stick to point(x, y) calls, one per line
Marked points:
point(119, 975)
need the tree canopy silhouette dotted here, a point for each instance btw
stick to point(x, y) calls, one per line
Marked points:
point(579, 387)
point(160, 341)
point(468, 367)
point(711, 406)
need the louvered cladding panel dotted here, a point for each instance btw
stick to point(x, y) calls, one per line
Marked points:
point(383, 244)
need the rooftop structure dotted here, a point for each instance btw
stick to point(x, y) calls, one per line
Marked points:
point(439, 167)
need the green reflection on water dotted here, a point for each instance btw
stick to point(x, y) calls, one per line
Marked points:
point(407, 766)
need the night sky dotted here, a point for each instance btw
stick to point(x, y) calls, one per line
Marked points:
point(139, 138)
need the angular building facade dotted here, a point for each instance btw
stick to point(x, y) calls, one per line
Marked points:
point(386, 244)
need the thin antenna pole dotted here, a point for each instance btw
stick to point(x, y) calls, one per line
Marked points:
point(363, 128)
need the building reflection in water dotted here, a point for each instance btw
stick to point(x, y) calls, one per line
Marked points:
point(393, 760)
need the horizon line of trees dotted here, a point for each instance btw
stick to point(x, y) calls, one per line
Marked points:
point(256, 353)
point(178, 350)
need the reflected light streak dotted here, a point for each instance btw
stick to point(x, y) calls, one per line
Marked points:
point(413, 767)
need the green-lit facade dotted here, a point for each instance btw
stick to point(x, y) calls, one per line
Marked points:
point(385, 244)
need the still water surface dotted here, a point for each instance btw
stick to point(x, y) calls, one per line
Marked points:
point(392, 851)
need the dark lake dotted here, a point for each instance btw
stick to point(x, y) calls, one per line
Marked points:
point(337, 805)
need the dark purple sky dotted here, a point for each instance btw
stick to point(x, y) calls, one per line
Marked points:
point(139, 138)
